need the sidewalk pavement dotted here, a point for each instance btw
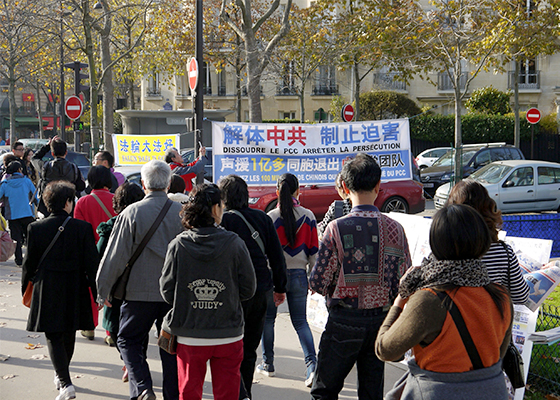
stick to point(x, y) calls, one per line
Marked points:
point(96, 367)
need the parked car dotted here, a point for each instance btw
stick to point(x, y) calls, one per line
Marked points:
point(428, 157)
point(474, 157)
point(34, 143)
point(516, 185)
point(400, 196)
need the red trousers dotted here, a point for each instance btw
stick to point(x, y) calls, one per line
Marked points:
point(225, 361)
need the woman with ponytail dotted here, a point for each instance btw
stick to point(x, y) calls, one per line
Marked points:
point(206, 274)
point(297, 230)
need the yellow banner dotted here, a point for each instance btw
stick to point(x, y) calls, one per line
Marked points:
point(139, 149)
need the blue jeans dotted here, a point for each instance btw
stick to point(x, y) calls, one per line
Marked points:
point(296, 295)
point(348, 339)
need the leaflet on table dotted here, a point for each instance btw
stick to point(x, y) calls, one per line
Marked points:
point(524, 321)
point(549, 337)
point(315, 153)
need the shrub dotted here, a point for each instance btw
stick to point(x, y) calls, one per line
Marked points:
point(386, 104)
point(488, 100)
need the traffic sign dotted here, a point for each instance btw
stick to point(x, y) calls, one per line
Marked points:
point(193, 74)
point(73, 107)
point(533, 115)
point(347, 113)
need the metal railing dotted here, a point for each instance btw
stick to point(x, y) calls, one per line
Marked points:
point(445, 83)
point(285, 90)
point(153, 91)
point(328, 89)
point(386, 80)
point(525, 80)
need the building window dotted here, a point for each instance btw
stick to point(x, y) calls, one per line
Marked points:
point(287, 114)
point(207, 83)
point(529, 76)
point(153, 85)
point(287, 86)
point(222, 83)
point(28, 103)
point(325, 81)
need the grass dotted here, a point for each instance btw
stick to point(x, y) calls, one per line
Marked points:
point(554, 298)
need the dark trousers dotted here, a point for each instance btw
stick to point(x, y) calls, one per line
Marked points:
point(254, 311)
point(137, 318)
point(18, 232)
point(348, 339)
point(61, 350)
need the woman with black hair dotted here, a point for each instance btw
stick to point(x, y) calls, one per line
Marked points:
point(452, 278)
point(206, 274)
point(297, 230)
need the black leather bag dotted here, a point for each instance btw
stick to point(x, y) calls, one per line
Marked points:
point(513, 366)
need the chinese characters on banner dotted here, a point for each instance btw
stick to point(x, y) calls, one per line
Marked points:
point(139, 149)
point(260, 153)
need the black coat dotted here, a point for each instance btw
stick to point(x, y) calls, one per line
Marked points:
point(61, 291)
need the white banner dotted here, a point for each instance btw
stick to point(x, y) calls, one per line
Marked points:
point(260, 153)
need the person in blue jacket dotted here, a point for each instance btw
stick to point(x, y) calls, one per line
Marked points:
point(19, 193)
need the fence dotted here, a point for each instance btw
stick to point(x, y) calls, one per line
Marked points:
point(544, 371)
point(539, 226)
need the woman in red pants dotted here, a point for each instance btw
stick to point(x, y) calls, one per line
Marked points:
point(206, 275)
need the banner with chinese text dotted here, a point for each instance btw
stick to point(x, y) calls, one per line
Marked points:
point(139, 149)
point(260, 153)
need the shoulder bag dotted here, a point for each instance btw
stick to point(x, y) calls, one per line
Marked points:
point(512, 363)
point(26, 300)
point(102, 205)
point(254, 234)
point(119, 288)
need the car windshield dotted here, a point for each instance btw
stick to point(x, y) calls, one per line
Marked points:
point(447, 159)
point(492, 173)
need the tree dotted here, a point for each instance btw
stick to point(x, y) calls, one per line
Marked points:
point(23, 33)
point(385, 104)
point(532, 24)
point(489, 100)
point(257, 54)
point(453, 35)
point(308, 45)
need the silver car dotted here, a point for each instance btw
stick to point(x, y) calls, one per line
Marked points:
point(516, 185)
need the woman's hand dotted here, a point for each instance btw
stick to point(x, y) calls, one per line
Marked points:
point(400, 302)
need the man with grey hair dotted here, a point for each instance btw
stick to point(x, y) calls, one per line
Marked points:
point(185, 171)
point(142, 304)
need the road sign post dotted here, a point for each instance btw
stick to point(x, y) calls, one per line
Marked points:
point(533, 117)
point(347, 113)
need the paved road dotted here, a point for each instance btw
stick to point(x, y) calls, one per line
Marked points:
point(96, 368)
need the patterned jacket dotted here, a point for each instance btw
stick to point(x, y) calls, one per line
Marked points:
point(361, 258)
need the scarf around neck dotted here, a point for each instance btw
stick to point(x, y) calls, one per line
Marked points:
point(433, 272)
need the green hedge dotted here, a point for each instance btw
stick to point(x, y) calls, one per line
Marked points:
point(476, 128)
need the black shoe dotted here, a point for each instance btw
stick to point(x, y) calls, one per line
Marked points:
point(147, 394)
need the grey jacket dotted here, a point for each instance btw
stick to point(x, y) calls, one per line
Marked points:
point(130, 228)
point(207, 273)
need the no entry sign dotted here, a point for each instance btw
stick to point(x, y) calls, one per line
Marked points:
point(347, 113)
point(193, 73)
point(533, 115)
point(73, 107)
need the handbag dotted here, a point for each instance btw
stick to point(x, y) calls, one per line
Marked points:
point(512, 363)
point(7, 246)
point(26, 300)
point(167, 342)
point(118, 291)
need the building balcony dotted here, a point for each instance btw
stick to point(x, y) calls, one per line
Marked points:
point(329, 89)
point(207, 90)
point(526, 81)
point(285, 90)
point(222, 91)
point(244, 91)
point(387, 81)
point(153, 92)
point(445, 83)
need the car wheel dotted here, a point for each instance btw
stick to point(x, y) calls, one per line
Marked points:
point(271, 206)
point(395, 204)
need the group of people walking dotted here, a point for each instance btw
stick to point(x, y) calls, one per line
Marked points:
point(212, 271)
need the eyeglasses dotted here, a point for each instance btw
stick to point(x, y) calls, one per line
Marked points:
point(19, 149)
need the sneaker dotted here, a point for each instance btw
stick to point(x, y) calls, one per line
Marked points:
point(57, 382)
point(109, 340)
point(266, 369)
point(147, 394)
point(88, 334)
point(310, 375)
point(67, 393)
